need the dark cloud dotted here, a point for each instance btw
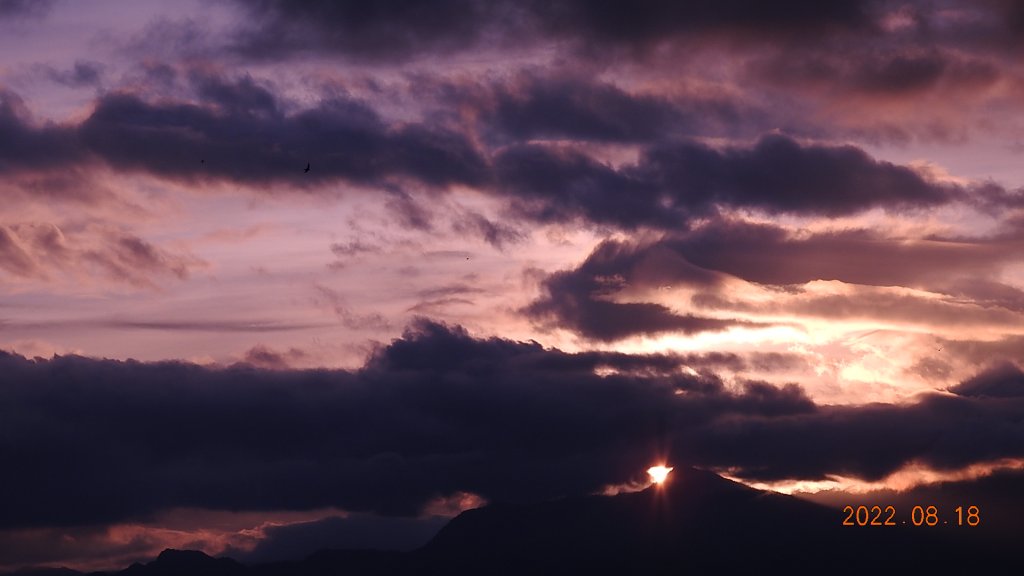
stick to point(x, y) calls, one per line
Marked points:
point(801, 47)
point(1002, 381)
point(437, 305)
point(608, 296)
point(433, 414)
point(25, 8)
point(558, 184)
point(393, 29)
point(607, 321)
point(81, 74)
point(26, 147)
point(893, 74)
point(770, 254)
point(409, 211)
point(798, 55)
point(240, 132)
point(989, 25)
point(497, 234)
point(902, 74)
point(454, 289)
point(244, 97)
point(536, 107)
point(401, 30)
point(869, 441)
point(554, 108)
point(675, 182)
point(780, 175)
point(643, 24)
point(582, 299)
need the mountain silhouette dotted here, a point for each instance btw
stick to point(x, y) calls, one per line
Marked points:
point(695, 523)
point(190, 562)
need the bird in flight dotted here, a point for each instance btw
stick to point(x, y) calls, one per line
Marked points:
point(307, 167)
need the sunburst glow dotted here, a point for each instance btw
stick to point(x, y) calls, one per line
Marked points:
point(659, 473)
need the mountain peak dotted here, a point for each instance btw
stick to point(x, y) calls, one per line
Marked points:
point(173, 562)
point(171, 555)
point(695, 515)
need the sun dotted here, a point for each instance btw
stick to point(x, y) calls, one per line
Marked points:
point(659, 473)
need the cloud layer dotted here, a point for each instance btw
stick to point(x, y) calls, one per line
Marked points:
point(438, 413)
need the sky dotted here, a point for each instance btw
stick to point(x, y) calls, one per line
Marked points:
point(540, 247)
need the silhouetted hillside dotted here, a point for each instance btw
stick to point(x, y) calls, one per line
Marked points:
point(339, 562)
point(191, 562)
point(696, 523)
point(698, 520)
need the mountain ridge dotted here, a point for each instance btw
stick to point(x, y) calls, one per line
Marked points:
point(695, 521)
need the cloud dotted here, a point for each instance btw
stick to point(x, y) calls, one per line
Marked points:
point(82, 73)
point(675, 182)
point(14, 258)
point(453, 289)
point(238, 129)
point(430, 415)
point(497, 234)
point(581, 299)
point(617, 291)
point(839, 66)
point(264, 357)
point(554, 184)
point(240, 132)
point(560, 105)
point(1004, 380)
point(353, 248)
point(170, 325)
point(25, 8)
point(354, 532)
point(996, 495)
point(25, 147)
point(654, 20)
point(400, 30)
point(896, 74)
point(780, 175)
point(92, 547)
point(42, 251)
point(569, 108)
point(391, 30)
point(130, 259)
point(772, 254)
point(333, 300)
